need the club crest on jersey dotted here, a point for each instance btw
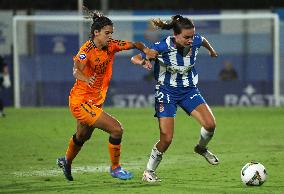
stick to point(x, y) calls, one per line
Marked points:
point(161, 108)
point(82, 56)
point(190, 52)
point(187, 51)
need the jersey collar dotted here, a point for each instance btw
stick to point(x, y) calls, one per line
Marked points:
point(170, 41)
point(93, 43)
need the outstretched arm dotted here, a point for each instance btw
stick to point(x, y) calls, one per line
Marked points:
point(211, 50)
point(150, 54)
point(138, 60)
point(120, 45)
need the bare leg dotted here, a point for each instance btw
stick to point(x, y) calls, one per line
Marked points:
point(166, 135)
point(204, 116)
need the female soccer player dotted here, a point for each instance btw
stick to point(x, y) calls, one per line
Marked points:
point(92, 70)
point(176, 85)
point(5, 82)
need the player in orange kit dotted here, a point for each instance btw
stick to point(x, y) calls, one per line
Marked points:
point(92, 70)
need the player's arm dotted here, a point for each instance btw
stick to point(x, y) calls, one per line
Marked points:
point(208, 46)
point(142, 59)
point(119, 45)
point(138, 60)
point(78, 73)
point(150, 54)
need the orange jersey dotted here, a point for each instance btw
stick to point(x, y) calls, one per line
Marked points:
point(97, 63)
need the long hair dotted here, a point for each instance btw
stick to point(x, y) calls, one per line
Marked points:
point(177, 24)
point(99, 20)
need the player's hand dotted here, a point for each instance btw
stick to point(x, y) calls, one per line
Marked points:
point(147, 64)
point(91, 81)
point(213, 53)
point(151, 54)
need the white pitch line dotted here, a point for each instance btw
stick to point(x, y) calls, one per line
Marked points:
point(101, 168)
point(75, 169)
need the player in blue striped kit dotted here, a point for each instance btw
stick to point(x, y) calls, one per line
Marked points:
point(176, 85)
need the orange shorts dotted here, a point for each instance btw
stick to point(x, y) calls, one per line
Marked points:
point(86, 113)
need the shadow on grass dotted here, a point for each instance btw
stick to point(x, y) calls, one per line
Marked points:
point(52, 185)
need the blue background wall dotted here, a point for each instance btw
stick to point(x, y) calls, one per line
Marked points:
point(48, 76)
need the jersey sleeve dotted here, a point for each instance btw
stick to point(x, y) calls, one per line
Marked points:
point(197, 40)
point(119, 45)
point(82, 56)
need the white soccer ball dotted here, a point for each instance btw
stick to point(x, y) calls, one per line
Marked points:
point(253, 174)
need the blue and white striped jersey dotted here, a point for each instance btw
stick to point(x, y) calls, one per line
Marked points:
point(175, 67)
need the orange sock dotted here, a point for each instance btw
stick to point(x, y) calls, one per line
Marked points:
point(72, 150)
point(114, 152)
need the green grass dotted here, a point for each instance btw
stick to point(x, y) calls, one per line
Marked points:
point(32, 139)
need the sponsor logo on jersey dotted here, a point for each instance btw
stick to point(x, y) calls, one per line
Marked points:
point(82, 56)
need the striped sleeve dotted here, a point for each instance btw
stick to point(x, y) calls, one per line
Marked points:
point(197, 40)
point(119, 45)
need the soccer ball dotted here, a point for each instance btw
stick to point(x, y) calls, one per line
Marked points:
point(253, 174)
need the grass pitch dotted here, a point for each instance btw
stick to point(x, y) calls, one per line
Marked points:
point(32, 138)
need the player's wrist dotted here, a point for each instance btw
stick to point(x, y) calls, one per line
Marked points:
point(146, 50)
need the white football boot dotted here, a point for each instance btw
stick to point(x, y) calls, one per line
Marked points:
point(150, 176)
point(210, 157)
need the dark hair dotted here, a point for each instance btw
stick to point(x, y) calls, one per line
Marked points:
point(177, 24)
point(99, 20)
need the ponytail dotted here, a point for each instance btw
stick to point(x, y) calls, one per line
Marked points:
point(177, 24)
point(99, 20)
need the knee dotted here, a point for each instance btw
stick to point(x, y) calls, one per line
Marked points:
point(166, 139)
point(117, 130)
point(210, 125)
